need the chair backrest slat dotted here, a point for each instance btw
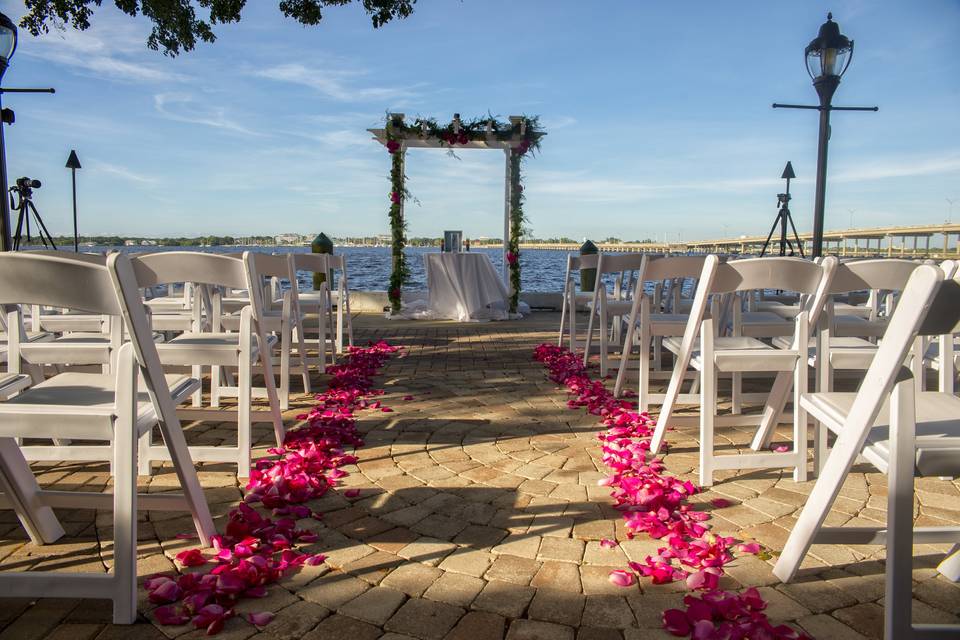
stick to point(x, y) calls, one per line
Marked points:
point(790, 274)
point(944, 314)
point(619, 262)
point(883, 273)
point(669, 267)
point(57, 281)
point(189, 266)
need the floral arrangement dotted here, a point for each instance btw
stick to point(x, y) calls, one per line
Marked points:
point(523, 135)
point(656, 503)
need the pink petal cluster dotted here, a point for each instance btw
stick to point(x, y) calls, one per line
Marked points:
point(393, 146)
point(657, 504)
point(259, 545)
point(720, 615)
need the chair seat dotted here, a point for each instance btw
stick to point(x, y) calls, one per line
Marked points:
point(779, 309)
point(938, 429)
point(850, 325)
point(932, 355)
point(765, 324)
point(206, 348)
point(615, 307)
point(72, 348)
point(67, 322)
point(668, 324)
point(88, 399)
point(740, 354)
point(845, 353)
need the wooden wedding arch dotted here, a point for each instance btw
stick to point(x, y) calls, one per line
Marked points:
point(516, 138)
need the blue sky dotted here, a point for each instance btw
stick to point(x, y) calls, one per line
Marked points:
point(658, 116)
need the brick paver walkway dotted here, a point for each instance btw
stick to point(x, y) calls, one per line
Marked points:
point(480, 517)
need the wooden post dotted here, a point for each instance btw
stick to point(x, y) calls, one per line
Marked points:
point(506, 216)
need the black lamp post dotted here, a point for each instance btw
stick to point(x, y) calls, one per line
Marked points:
point(8, 44)
point(827, 57)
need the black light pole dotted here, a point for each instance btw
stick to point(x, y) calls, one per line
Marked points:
point(73, 163)
point(827, 57)
point(8, 44)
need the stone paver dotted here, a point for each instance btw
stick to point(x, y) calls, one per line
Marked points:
point(480, 518)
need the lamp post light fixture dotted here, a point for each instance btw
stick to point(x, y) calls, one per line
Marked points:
point(8, 44)
point(827, 58)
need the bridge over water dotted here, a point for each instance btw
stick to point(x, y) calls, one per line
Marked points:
point(939, 241)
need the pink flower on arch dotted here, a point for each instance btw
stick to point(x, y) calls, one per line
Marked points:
point(512, 258)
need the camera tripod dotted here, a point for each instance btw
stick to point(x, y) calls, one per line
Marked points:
point(24, 208)
point(783, 218)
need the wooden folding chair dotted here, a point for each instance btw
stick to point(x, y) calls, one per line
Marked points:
point(739, 354)
point(650, 320)
point(92, 406)
point(611, 309)
point(570, 296)
point(212, 347)
point(901, 432)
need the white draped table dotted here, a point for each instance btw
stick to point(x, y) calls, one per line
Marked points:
point(465, 286)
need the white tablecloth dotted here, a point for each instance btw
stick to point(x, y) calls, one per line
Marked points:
point(465, 286)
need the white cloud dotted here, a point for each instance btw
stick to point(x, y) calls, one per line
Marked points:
point(121, 172)
point(182, 107)
point(333, 83)
point(107, 50)
point(901, 167)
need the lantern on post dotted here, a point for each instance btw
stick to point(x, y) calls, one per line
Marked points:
point(827, 58)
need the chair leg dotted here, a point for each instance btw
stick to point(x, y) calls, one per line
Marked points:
point(588, 340)
point(144, 466)
point(285, 367)
point(736, 397)
point(776, 402)
point(125, 515)
point(216, 378)
point(708, 412)
point(625, 356)
point(899, 569)
point(19, 485)
point(643, 391)
point(800, 425)
point(322, 335)
point(244, 398)
point(824, 493)
point(304, 363)
point(196, 371)
point(950, 567)
point(563, 316)
point(604, 340)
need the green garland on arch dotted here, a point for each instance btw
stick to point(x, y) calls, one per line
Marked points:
point(526, 133)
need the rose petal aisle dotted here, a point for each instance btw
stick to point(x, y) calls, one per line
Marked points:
point(657, 504)
point(258, 549)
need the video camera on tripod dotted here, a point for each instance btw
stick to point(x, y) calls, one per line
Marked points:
point(23, 190)
point(787, 247)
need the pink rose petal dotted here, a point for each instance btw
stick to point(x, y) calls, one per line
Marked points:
point(261, 619)
point(606, 543)
point(621, 578)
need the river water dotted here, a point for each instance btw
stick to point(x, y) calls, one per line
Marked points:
point(369, 267)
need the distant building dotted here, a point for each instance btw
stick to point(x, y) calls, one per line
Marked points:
point(129, 243)
point(288, 238)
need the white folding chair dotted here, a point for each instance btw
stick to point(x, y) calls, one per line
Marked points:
point(92, 406)
point(740, 354)
point(845, 352)
point(321, 302)
point(651, 319)
point(902, 433)
point(282, 317)
point(212, 347)
point(611, 309)
point(571, 296)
